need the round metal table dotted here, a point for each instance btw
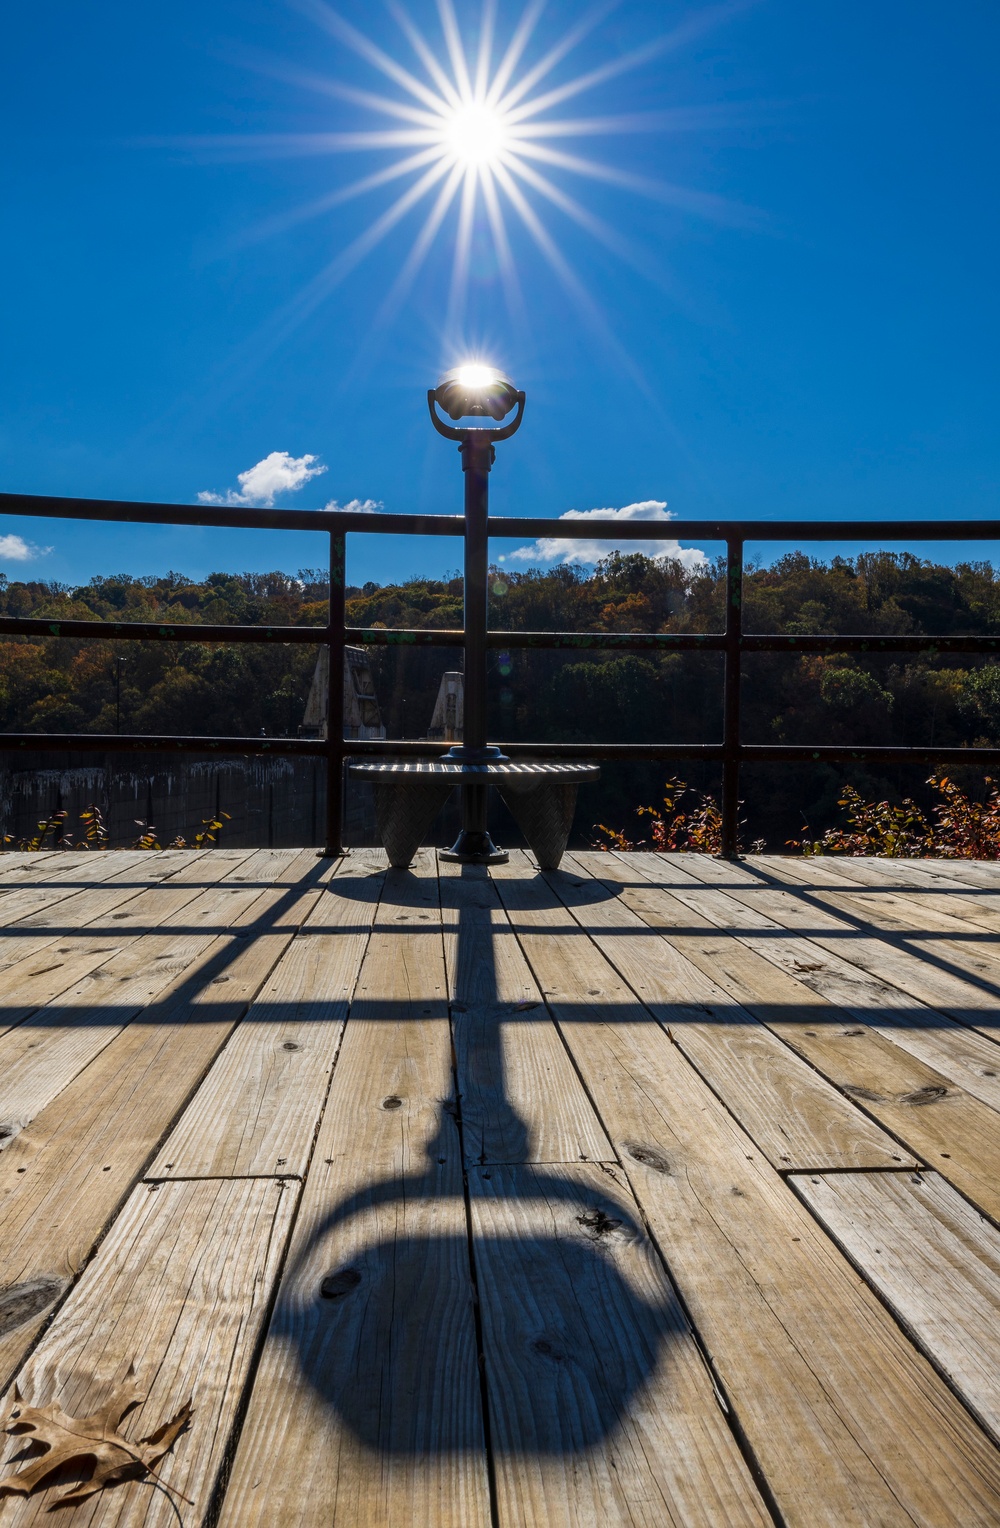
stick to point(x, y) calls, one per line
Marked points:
point(540, 796)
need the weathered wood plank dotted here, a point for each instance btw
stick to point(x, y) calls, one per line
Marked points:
point(937, 1120)
point(42, 1054)
point(180, 1289)
point(961, 983)
point(936, 937)
point(964, 1055)
point(602, 1409)
point(64, 1176)
point(901, 884)
point(257, 1110)
point(976, 875)
point(43, 978)
point(46, 951)
point(706, 869)
point(522, 1100)
point(366, 1407)
point(67, 876)
point(49, 929)
point(14, 861)
point(76, 879)
point(933, 1259)
point(849, 1422)
point(794, 1115)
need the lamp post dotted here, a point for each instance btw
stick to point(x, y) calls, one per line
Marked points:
point(470, 392)
point(118, 693)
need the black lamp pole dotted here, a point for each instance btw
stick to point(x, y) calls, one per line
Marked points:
point(475, 391)
point(477, 459)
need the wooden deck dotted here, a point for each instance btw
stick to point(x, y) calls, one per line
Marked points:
point(656, 1191)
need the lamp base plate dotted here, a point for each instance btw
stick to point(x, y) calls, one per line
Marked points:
point(474, 848)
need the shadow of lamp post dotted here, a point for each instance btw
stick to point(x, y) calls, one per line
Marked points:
point(576, 1314)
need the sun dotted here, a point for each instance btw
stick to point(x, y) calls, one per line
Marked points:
point(476, 134)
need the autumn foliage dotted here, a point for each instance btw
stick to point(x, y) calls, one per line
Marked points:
point(958, 827)
point(697, 829)
point(57, 684)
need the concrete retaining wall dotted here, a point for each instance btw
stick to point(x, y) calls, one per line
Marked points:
point(272, 803)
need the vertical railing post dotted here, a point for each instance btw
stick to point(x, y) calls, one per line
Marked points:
point(336, 645)
point(731, 738)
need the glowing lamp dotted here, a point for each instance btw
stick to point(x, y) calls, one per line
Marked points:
point(475, 389)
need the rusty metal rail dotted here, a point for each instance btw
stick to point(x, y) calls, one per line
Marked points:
point(731, 751)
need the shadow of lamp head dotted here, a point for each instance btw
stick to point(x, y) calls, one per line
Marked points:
point(570, 1338)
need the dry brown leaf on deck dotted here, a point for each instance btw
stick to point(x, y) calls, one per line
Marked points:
point(77, 1441)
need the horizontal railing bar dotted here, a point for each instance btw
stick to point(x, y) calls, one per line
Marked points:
point(113, 742)
point(632, 641)
point(337, 521)
point(97, 742)
point(244, 517)
point(652, 751)
point(802, 753)
point(688, 641)
point(148, 631)
point(752, 643)
point(510, 527)
point(400, 636)
point(757, 753)
point(754, 753)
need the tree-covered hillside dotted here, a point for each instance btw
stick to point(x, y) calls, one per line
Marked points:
point(63, 685)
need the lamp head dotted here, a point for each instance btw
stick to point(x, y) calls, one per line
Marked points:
point(475, 389)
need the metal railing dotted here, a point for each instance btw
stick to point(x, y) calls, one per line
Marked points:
point(731, 751)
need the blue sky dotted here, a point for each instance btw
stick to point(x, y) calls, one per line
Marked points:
point(803, 323)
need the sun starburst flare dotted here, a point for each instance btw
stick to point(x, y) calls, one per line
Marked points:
point(475, 139)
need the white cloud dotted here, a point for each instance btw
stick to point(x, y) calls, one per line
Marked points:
point(550, 549)
point(279, 472)
point(16, 549)
point(358, 506)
